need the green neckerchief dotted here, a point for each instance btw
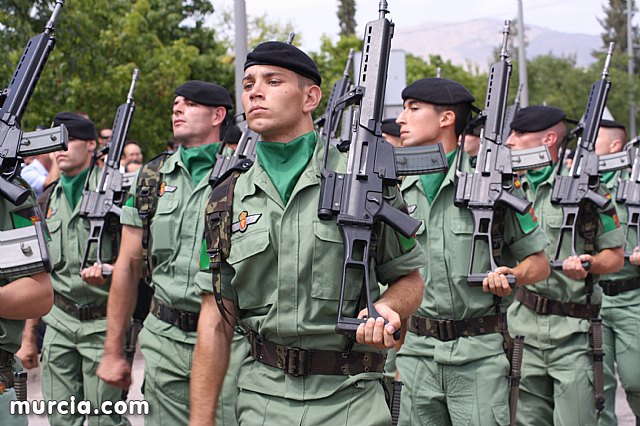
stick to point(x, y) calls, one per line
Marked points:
point(536, 177)
point(199, 160)
point(284, 162)
point(73, 185)
point(607, 176)
point(431, 182)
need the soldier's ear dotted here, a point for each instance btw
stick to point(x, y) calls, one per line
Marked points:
point(219, 114)
point(447, 118)
point(92, 146)
point(312, 96)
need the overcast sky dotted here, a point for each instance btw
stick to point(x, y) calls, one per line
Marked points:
point(313, 18)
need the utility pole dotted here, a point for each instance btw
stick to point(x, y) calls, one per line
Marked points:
point(631, 57)
point(240, 17)
point(522, 60)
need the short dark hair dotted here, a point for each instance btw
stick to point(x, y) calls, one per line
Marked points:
point(461, 111)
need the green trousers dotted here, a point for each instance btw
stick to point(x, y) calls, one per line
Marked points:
point(69, 364)
point(621, 335)
point(167, 371)
point(557, 385)
point(475, 393)
point(363, 403)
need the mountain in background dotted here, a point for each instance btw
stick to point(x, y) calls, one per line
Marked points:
point(472, 44)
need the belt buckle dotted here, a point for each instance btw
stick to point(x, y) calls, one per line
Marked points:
point(184, 321)
point(446, 330)
point(542, 305)
point(296, 361)
point(84, 312)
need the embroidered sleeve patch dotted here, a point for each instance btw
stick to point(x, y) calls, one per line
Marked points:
point(204, 256)
point(407, 243)
point(24, 217)
point(609, 219)
point(528, 221)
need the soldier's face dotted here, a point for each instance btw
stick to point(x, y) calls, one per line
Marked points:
point(274, 102)
point(76, 158)
point(419, 123)
point(191, 121)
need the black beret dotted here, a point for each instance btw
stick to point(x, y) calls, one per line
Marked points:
point(286, 56)
point(205, 93)
point(390, 127)
point(536, 118)
point(611, 124)
point(438, 91)
point(77, 126)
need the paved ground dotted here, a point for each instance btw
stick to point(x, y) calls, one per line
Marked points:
point(625, 416)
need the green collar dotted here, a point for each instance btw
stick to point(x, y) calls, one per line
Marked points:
point(199, 160)
point(73, 185)
point(536, 177)
point(432, 182)
point(285, 162)
point(608, 176)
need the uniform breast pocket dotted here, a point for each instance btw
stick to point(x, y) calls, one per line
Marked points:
point(328, 260)
point(255, 267)
point(552, 225)
point(55, 245)
point(163, 226)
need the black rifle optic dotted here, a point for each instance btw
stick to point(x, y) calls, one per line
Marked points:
point(108, 197)
point(14, 143)
point(242, 159)
point(629, 194)
point(357, 196)
point(328, 123)
point(580, 186)
point(492, 183)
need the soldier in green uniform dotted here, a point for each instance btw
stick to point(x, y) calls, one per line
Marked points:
point(76, 325)
point(175, 235)
point(557, 384)
point(620, 310)
point(284, 272)
point(21, 297)
point(452, 361)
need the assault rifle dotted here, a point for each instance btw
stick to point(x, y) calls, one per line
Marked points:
point(328, 123)
point(629, 194)
point(108, 197)
point(14, 144)
point(357, 197)
point(25, 250)
point(580, 186)
point(511, 113)
point(492, 182)
point(242, 159)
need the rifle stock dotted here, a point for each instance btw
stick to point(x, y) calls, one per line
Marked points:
point(107, 199)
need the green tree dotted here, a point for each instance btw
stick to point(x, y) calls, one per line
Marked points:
point(347, 17)
point(100, 42)
point(614, 25)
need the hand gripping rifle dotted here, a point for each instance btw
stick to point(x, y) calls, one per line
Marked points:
point(492, 182)
point(580, 186)
point(357, 196)
point(109, 196)
point(25, 249)
point(629, 195)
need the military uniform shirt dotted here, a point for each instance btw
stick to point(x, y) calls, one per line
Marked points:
point(548, 331)
point(176, 234)
point(447, 232)
point(284, 272)
point(69, 233)
point(628, 271)
point(13, 217)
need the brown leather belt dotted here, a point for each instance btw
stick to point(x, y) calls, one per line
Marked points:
point(77, 310)
point(184, 320)
point(298, 362)
point(613, 288)
point(446, 330)
point(545, 306)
